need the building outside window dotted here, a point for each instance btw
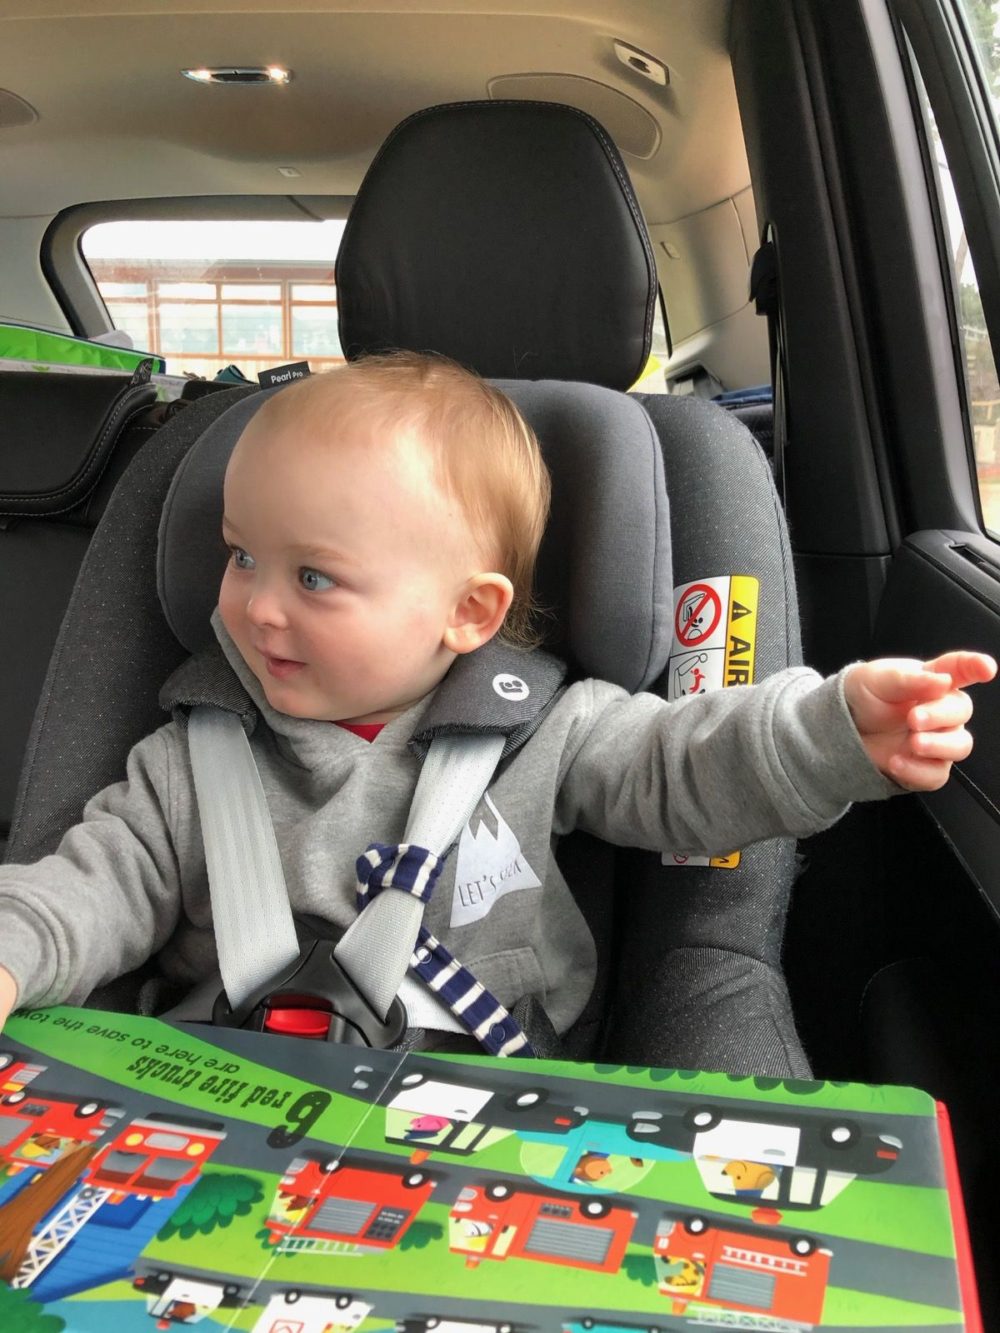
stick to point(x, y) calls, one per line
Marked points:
point(206, 295)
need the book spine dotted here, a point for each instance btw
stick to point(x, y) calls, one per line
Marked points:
point(960, 1227)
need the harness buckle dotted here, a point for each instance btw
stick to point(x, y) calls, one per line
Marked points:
point(316, 999)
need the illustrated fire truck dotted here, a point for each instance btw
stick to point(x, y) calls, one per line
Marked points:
point(148, 1159)
point(783, 1163)
point(497, 1221)
point(16, 1073)
point(729, 1277)
point(38, 1128)
point(321, 1206)
point(436, 1113)
point(154, 1157)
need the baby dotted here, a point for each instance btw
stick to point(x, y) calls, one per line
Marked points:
point(383, 521)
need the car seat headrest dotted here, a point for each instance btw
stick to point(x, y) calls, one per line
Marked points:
point(467, 237)
point(604, 568)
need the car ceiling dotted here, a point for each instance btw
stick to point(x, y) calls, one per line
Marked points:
point(115, 119)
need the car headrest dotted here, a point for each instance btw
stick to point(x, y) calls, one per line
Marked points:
point(505, 235)
point(603, 575)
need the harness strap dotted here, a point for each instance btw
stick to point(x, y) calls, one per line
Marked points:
point(254, 930)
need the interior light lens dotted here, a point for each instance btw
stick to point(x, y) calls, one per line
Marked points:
point(275, 74)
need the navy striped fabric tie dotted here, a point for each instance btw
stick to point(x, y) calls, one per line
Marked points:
point(412, 869)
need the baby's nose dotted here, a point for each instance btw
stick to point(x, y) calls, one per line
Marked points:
point(264, 607)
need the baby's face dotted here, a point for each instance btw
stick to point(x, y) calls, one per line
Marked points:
point(346, 561)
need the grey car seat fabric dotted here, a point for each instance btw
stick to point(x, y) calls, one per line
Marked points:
point(725, 517)
point(463, 178)
point(67, 438)
point(113, 651)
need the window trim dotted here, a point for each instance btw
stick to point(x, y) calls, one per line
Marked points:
point(66, 271)
point(937, 41)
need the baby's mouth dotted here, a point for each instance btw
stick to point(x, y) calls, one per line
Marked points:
point(282, 667)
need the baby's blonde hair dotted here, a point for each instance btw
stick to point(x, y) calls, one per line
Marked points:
point(486, 455)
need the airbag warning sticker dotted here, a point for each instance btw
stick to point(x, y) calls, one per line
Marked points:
point(715, 634)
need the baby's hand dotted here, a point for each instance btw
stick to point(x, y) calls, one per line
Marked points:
point(911, 715)
point(8, 995)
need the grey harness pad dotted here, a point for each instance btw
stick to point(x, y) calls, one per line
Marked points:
point(496, 689)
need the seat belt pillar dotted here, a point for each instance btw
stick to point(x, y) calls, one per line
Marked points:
point(765, 292)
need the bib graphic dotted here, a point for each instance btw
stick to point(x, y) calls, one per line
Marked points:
point(488, 865)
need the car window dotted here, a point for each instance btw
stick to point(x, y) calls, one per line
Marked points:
point(982, 382)
point(207, 295)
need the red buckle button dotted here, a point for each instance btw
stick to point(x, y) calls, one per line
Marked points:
point(313, 1024)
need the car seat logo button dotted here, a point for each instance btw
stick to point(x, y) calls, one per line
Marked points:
point(510, 687)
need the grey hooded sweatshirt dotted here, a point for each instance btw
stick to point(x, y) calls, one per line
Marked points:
point(130, 880)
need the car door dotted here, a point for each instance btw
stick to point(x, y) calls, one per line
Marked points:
point(873, 149)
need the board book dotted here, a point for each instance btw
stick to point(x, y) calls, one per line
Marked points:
point(156, 1177)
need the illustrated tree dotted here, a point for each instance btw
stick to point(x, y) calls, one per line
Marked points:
point(640, 1268)
point(20, 1314)
point(21, 1215)
point(215, 1200)
point(420, 1235)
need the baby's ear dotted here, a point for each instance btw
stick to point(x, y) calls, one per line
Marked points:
point(479, 612)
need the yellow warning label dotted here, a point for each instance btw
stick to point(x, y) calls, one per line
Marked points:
point(715, 625)
point(741, 638)
point(741, 630)
point(728, 862)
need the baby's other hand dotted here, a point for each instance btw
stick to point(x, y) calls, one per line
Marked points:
point(8, 995)
point(911, 715)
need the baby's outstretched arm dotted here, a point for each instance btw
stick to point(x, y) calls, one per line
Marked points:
point(911, 715)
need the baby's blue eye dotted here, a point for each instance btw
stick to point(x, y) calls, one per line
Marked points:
point(240, 558)
point(313, 581)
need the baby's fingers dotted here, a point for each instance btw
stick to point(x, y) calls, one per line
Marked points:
point(919, 774)
point(952, 745)
point(965, 668)
point(951, 710)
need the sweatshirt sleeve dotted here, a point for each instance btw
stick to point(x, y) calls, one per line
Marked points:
point(107, 898)
point(709, 773)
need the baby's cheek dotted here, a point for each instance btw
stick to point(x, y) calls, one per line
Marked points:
point(228, 605)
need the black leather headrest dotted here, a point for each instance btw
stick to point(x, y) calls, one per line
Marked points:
point(603, 572)
point(59, 432)
point(507, 236)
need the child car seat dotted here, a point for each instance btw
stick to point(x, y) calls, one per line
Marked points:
point(507, 235)
point(668, 982)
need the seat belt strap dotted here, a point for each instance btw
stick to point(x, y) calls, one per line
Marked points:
point(376, 950)
point(254, 930)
